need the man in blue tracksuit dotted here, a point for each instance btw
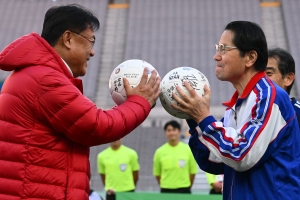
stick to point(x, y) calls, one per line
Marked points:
point(281, 70)
point(256, 145)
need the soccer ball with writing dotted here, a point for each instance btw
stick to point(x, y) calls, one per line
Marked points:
point(176, 77)
point(133, 71)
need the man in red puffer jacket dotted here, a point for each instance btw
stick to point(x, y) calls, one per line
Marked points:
point(46, 124)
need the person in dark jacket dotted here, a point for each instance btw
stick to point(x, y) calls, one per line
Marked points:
point(281, 70)
point(46, 123)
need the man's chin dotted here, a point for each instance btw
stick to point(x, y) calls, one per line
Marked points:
point(219, 76)
point(83, 72)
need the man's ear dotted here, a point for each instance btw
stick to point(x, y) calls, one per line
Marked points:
point(251, 58)
point(288, 79)
point(66, 39)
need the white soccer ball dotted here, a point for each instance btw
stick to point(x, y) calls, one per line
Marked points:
point(132, 70)
point(176, 77)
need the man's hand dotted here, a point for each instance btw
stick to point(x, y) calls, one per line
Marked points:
point(148, 89)
point(194, 106)
point(110, 192)
point(217, 186)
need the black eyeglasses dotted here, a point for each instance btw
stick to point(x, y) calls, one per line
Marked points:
point(91, 40)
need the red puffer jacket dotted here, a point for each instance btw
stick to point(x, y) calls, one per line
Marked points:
point(47, 125)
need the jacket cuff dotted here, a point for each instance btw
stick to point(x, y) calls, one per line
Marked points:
point(206, 121)
point(192, 123)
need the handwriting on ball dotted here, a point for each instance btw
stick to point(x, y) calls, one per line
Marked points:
point(174, 75)
point(171, 89)
point(117, 83)
point(192, 80)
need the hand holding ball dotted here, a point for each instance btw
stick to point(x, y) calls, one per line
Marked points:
point(138, 81)
point(180, 91)
point(179, 77)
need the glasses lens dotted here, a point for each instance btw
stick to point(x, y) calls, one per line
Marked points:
point(222, 48)
point(217, 48)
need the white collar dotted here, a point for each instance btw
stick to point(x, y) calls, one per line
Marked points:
point(68, 67)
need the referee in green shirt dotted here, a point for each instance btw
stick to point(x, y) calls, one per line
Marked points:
point(118, 167)
point(174, 165)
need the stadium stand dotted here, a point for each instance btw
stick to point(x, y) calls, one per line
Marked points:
point(112, 51)
point(275, 29)
point(18, 18)
point(273, 25)
point(291, 18)
point(167, 34)
point(175, 33)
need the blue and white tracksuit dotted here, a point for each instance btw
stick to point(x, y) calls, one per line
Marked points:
point(256, 145)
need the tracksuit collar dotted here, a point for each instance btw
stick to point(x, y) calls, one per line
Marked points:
point(249, 87)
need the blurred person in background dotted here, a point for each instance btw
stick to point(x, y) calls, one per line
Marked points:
point(46, 123)
point(281, 70)
point(215, 183)
point(118, 167)
point(256, 144)
point(173, 164)
point(94, 195)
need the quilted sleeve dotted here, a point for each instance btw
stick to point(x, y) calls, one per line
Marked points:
point(67, 111)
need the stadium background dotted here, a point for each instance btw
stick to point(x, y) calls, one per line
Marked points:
point(167, 34)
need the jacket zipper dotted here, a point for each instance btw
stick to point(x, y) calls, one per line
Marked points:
point(232, 181)
point(235, 117)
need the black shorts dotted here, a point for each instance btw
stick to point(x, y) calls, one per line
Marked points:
point(113, 196)
point(186, 190)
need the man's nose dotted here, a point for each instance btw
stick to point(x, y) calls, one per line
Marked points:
point(217, 57)
point(92, 53)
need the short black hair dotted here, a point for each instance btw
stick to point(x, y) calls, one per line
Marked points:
point(286, 63)
point(71, 17)
point(172, 123)
point(249, 36)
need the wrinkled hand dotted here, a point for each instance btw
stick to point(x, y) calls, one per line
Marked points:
point(148, 89)
point(195, 106)
point(217, 186)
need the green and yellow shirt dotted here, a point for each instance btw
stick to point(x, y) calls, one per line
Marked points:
point(118, 165)
point(174, 164)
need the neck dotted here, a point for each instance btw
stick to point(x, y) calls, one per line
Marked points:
point(115, 147)
point(60, 52)
point(63, 54)
point(173, 142)
point(242, 82)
